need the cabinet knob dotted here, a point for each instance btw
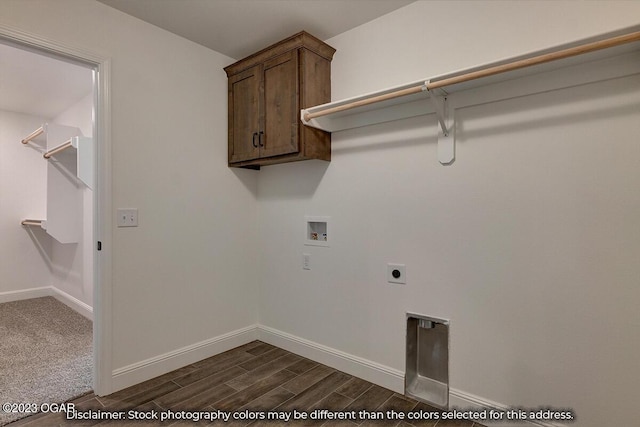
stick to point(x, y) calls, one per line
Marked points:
point(260, 139)
point(254, 140)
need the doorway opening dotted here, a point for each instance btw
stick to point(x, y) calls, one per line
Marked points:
point(48, 221)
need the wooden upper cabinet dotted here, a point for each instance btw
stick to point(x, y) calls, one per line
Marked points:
point(267, 91)
point(244, 120)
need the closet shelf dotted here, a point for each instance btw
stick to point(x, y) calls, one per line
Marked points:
point(607, 56)
point(35, 223)
point(82, 149)
point(70, 161)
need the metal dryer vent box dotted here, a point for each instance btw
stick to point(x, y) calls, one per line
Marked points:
point(427, 360)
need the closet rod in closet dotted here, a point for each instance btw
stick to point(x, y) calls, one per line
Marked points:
point(32, 222)
point(540, 59)
point(485, 72)
point(59, 148)
point(33, 135)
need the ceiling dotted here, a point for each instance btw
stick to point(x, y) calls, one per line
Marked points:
point(39, 85)
point(35, 84)
point(238, 28)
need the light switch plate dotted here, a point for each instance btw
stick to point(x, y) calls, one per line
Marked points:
point(127, 217)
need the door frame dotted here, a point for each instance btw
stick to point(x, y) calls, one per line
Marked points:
point(102, 220)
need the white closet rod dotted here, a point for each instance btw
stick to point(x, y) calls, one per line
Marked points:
point(540, 59)
point(59, 148)
point(485, 72)
point(33, 135)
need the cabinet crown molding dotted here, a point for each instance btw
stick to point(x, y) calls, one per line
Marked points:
point(296, 41)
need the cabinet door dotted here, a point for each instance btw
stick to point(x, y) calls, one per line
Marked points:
point(281, 107)
point(244, 94)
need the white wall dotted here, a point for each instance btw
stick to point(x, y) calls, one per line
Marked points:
point(25, 252)
point(529, 242)
point(187, 274)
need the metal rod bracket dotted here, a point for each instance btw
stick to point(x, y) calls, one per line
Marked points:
point(445, 114)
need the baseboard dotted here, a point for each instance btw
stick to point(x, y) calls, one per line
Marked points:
point(155, 366)
point(75, 304)
point(466, 401)
point(381, 375)
point(376, 373)
point(49, 291)
point(25, 294)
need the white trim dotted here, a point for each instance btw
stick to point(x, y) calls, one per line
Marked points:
point(11, 296)
point(75, 304)
point(49, 291)
point(102, 228)
point(462, 400)
point(102, 337)
point(158, 365)
point(376, 373)
point(42, 44)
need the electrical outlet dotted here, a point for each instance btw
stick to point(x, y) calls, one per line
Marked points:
point(306, 261)
point(127, 217)
point(396, 273)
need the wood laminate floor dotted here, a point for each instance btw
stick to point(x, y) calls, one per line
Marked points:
point(255, 377)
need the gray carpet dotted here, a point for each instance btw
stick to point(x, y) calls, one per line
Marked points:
point(45, 353)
